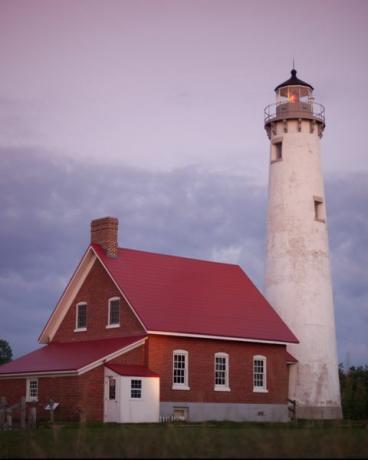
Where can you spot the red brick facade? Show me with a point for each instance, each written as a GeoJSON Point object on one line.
{"type": "Point", "coordinates": [201, 370]}
{"type": "Point", "coordinates": [96, 290]}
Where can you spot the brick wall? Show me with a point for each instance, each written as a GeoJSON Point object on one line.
{"type": "Point", "coordinates": [96, 290]}
{"type": "Point", "coordinates": [201, 370]}
{"type": "Point", "coordinates": [74, 393]}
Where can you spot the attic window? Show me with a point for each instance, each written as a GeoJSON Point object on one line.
{"type": "Point", "coordinates": [114, 312]}
{"type": "Point", "coordinates": [81, 317]}
{"type": "Point", "coordinates": [319, 209]}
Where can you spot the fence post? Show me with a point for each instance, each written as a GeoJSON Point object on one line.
{"type": "Point", "coordinates": [9, 419]}
{"type": "Point", "coordinates": [32, 417]}
{"type": "Point", "coordinates": [3, 405]}
{"type": "Point", "coordinates": [23, 412]}
{"type": "Point", "coordinates": [51, 404]}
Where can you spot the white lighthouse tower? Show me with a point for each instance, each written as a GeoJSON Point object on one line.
{"type": "Point", "coordinates": [297, 276]}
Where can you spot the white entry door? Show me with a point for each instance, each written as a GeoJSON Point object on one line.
{"type": "Point", "coordinates": [112, 399]}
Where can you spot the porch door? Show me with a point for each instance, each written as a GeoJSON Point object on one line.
{"type": "Point", "coordinates": [112, 399]}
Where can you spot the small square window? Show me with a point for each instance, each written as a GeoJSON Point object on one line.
{"type": "Point", "coordinates": [136, 389]}
{"type": "Point", "coordinates": [180, 414]}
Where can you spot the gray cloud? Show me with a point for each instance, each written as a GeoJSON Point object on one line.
{"type": "Point", "coordinates": [47, 205]}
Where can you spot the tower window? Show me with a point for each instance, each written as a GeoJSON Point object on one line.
{"type": "Point", "coordinates": [319, 209]}
{"type": "Point", "coordinates": [276, 151]}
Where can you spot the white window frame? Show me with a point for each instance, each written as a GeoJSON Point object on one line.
{"type": "Point", "coordinates": [175, 385]}
{"type": "Point", "coordinates": [80, 329]}
{"type": "Point", "coordinates": [109, 325]}
{"type": "Point", "coordinates": [225, 386]}
{"type": "Point", "coordinates": [140, 390]}
{"type": "Point", "coordinates": [29, 396]}
{"type": "Point", "coordinates": [260, 388]}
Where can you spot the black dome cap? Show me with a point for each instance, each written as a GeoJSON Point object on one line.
{"type": "Point", "coordinates": [294, 80]}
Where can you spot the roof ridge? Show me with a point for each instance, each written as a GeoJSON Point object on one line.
{"type": "Point", "coordinates": [179, 257]}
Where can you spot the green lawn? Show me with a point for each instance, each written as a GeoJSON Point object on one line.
{"type": "Point", "coordinates": [185, 440]}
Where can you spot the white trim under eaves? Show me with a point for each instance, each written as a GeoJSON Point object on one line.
{"type": "Point", "coordinates": [71, 290]}
{"type": "Point", "coordinates": [217, 337]}
{"type": "Point", "coordinates": [22, 375]}
{"type": "Point", "coordinates": [120, 290]}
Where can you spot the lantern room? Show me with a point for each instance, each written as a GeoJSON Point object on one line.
{"type": "Point", "coordinates": [294, 91]}
{"type": "Point", "coordinates": [294, 100]}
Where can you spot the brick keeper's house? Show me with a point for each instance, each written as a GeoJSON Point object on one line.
{"type": "Point", "coordinates": [138, 335]}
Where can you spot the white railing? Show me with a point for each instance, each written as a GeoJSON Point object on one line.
{"type": "Point", "coordinates": [288, 109]}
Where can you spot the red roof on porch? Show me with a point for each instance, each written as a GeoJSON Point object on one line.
{"type": "Point", "coordinates": [290, 358]}
{"type": "Point", "coordinates": [131, 370]}
{"type": "Point", "coordinates": [181, 295]}
{"type": "Point", "coordinates": [67, 356]}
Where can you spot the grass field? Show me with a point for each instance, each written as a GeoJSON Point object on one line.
{"type": "Point", "coordinates": [189, 440]}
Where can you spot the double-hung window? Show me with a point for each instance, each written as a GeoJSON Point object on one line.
{"type": "Point", "coordinates": [259, 374]}
{"type": "Point", "coordinates": [221, 372]}
{"type": "Point", "coordinates": [136, 389]}
{"type": "Point", "coordinates": [81, 317]}
{"type": "Point", "coordinates": [32, 390]}
{"type": "Point", "coordinates": [113, 312]}
{"type": "Point", "coordinates": [180, 370]}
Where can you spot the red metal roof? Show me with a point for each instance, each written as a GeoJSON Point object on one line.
{"type": "Point", "coordinates": [182, 295]}
{"type": "Point", "coordinates": [67, 356]}
{"type": "Point", "coordinates": [131, 370]}
{"type": "Point", "coordinates": [290, 358]}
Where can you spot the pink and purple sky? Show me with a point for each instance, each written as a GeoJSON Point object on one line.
{"type": "Point", "coordinates": [152, 111]}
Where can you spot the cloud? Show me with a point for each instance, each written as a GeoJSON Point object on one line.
{"type": "Point", "coordinates": [47, 205]}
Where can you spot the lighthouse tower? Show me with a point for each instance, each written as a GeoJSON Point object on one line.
{"type": "Point", "coordinates": [297, 274]}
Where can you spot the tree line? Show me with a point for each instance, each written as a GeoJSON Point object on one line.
{"type": "Point", "coordinates": [354, 391]}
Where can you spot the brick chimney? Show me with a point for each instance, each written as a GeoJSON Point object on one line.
{"type": "Point", "coordinates": [104, 231]}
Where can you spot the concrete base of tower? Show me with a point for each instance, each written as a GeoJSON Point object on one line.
{"type": "Point", "coordinates": [318, 412]}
